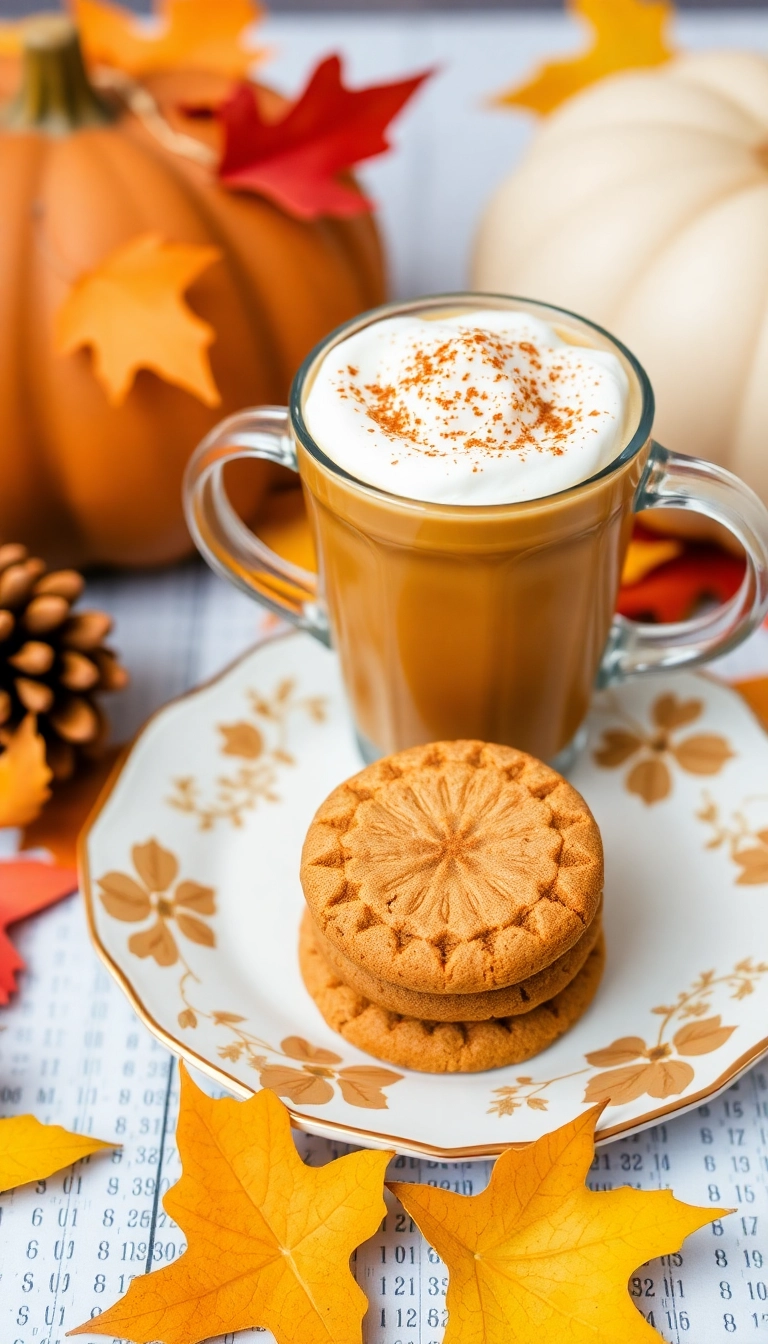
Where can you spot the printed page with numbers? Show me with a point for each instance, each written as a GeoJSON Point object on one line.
{"type": "Point", "coordinates": [72, 1052]}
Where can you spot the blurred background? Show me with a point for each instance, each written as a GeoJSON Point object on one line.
{"type": "Point", "coordinates": [452, 146]}
{"type": "Point", "coordinates": [679, 219]}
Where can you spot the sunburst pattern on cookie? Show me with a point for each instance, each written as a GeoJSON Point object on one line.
{"type": "Point", "coordinates": [449, 851]}
{"type": "Point", "coordinates": [456, 867]}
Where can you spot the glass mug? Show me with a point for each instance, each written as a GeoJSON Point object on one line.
{"type": "Point", "coordinates": [475, 621]}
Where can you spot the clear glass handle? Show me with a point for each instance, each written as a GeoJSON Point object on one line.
{"type": "Point", "coordinates": [223, 539]}
{"type": "Point", "coordinates": [673, 481]}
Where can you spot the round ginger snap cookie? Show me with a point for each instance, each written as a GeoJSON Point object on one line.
{"type": "Point", "coordinates": [453, 868]}
{"type": "Point", "coordinates": [509, 1002]}
{"type": "Point", "coordinates": [444, 1047]}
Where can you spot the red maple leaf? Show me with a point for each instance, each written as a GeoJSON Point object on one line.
{"type": "Point", "coordinates": [26, 886]}
{"type": "Point", "coordinates": [675, 590]}
{"type": "Point", "coordinates": [296, 161]}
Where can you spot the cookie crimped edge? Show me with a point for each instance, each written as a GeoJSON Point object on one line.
{"type": "Point", "coordinates": [511, 1001]}
{"type": "Point", "coordinates": [494, 959]}
{"type": "Point", "coordinates": [446, 1047]}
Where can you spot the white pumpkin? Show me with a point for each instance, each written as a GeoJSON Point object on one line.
{"type": "Point", "coordinates": [643, 205]}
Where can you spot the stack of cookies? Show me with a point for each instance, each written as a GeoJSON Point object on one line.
{"type": "Point", "coordinates": [454, 899]}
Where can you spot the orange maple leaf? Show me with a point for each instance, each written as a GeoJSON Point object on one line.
{"type": "Point", "coordinates": [537, 1255]}
{"type": "Point", "coordinates": [24, 775]}
{"type": "Point", "coordinates": [131, 312]}
{"type": "Point", "coordinates": [269, 1239]}
{"type": "Point", "coordinates": [755, 691]}
{"type": "Point", "coordinates": [626, 34]}
{"type": "Point", "coordinates": [196, 34]}
{"type": "Point", "coordinates": [68, 809]}
{"type": "Point", "coordinates": [30, 1151]}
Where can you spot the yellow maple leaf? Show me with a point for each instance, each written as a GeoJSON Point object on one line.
{"type": "Point", "coordinates": [539, 1256]}
{"type": "Point", "coordinates": [269, 1239]}
{"type": "Point", "coordinates": [626, 34]}
{"type": "Point", "coordinates": [644, 556]}
{"type": "Point", "coordinates": [30, 1151]}
{"type": "Point", "coordinates": [196, 34]}
{"type": "Point", "coordinates": [131, 312]}
{"type": "Point", "coordinates": [10, 37]}
{"type": "Point", "coordinates": [24, 775]}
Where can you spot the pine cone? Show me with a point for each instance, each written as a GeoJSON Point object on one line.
{"type": "Point", "coordinates": [52, 661]}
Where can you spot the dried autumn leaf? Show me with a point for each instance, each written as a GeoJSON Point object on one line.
{"type": "Point", "coordinates": [192, 34]}
{"type": "Point", "coordinates": [296, 161]}
{"type": "Point", "coordinates": [269, 1239]}
{"type": "Point", "coordinates": [704, 754]}
{"type": "Point", "coordinates": [660, 1078]}
{"type": "Point", "coordinates": [30, 1151]}
{"type": "Point", "coordinates": [361, 1084]}
{"type": "Point", "coordinates": [616, 747]}
{"type": "Point", "coordinates": [644, 555]}
{"type": "Point", "coordinates": [26, 886]}
{"type": "Point", "coordinates": [241, 739]}
{"type": "Point", "coordinates": [755, 691]}
{"type": "Point", "coordinates": [24, 775]}
{"type": "Point", "coordinates": [297, 1048]}
{"type": "Point", "coordinates": [754, 866]}
{"type": "Point", "coordinates": [700, 1038]}
{"type": "Point", "coordinates": [675, 590]}
{"type": "Point", "coordinates": [625, 34]}
{"type": "Point", "coordinates": [538, 1256]}
{"type": "Point", "coordinates": [622, 1051]}
{"type": "Point", "coordinates": [64, 815]}
{"type": "Point", "coordinates": [669, 712]}
{"type": "Point", "coordinates": [297, 1085]}
{"type": "Point", "coordinates": [130, 310]}
{"type": "Point", "coordinates": [650, 779]}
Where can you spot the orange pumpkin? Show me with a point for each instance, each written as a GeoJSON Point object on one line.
{"type": "Point", "coordinates": [82, 481]}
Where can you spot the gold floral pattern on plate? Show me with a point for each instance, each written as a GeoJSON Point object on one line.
{"type": "Point", "coordinates": [242, 1015]}
{"type": "Point", "coordinates": [261, 741]}
{"type": "Point", "coordinates": [151, 898]}
{"type": "Point", "coordinates": [629, 1068]}
{"type": "Point", "coordinates": [157, 897]}
{"type": "Point", "coordinates": [655, 750]}
{"type": "Point", "coordinates": [746, 843]}
{"type": "Point", "coordinates": [359, 1084]}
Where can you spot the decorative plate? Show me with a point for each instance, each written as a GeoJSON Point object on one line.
{"type": "Point", "coordinates": [190, 873]}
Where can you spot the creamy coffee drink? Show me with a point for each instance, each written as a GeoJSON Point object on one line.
{"type": "Point", "coordinates": [470, 586]}
{"type": "Point", "coordinates": [482, 407]}
{"type": "Point", "coordinates": [471, 465]}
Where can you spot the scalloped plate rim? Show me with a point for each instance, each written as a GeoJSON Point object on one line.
{"type": "Point", "coordinates": [315, 1124]}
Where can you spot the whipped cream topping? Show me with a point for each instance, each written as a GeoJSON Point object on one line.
{"type": "Point", "coordinates": [487, 407]}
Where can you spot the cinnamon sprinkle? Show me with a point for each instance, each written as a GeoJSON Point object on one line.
{"type": "Point", "coordinates": [536, 416]}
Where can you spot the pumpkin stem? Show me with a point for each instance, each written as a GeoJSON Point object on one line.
{"type": "Point", "coordinates": [56, 96]}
